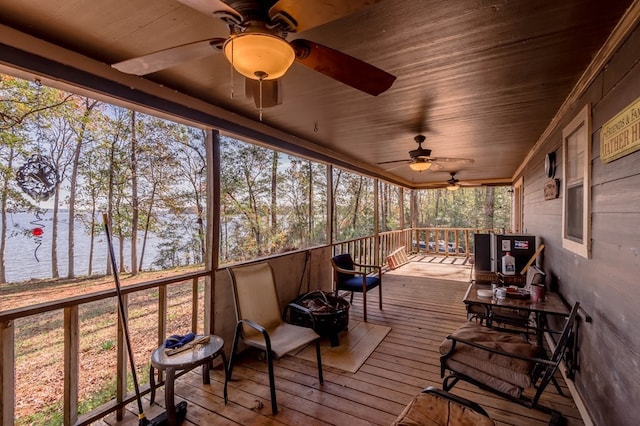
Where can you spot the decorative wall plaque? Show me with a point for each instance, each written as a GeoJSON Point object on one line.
{"type": "Point", "coordinates": [552, 189]}
{"type": "Point", "coordinates": [620, 136]}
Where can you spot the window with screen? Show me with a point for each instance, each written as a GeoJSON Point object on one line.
{"type": "Point", "coordinates": [576, 143]}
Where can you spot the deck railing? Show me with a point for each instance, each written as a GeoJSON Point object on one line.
{"type": "Point", "coordinates": [367, 250]}
{"type": "Point", "coordinates": [71, 344]}
{"type": "Point", "coordinates": [446, 241]}
{"type": "Point", "coordinates": [441, 241]}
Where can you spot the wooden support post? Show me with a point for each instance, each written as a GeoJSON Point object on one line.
{"type": "Point", "coordinates": [376, 222]}
{"type": "Point", "coordinates": [212, 259]}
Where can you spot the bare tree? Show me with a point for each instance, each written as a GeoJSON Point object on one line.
{"type": "Point", "coordinates": [80, 132]}
{"type": "Point", "coordinates": [134, 196]}
{"type": "Point", "coordinates": [57, 140]}
{"type": "Point", "coordinates": [489, 205]}
{"type": "Point", "coordinates": [274, 190]}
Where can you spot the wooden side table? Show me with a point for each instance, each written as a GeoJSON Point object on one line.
{"type": "Point", "coordinates": [202, 354]}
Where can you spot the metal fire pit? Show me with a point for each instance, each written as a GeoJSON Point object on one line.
{"type": "Point", "coordinates": [330, 314]}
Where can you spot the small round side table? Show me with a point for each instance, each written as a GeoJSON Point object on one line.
{"type": "Point", "coordinates": [201, 354]}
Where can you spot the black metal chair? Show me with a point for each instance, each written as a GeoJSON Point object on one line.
{"type": "Point", "coordinates": [260, 321]}
{"type": "Point", "coordinates": [356, 278]}
{"type": "Point", "coordinates": [502, 362]}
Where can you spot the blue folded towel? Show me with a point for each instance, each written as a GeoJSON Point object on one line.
{"type": "Point", "coordinates": [176, 341]}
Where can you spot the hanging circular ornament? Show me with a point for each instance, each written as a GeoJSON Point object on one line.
{"type": "Point", "coordinates": [38, 177]}
{"type": "Point", "coordinates": [37, 232]}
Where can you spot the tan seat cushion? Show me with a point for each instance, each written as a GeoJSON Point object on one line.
{"type": "Point", "coordinates": [285, 338]}
{"type": "Point", "coordinates": [508, 375]}
{"type": "Point", "coordinates": [428, 409]}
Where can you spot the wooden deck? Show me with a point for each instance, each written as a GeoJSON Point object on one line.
{"type": "Point", "coordinates": [422, 304]}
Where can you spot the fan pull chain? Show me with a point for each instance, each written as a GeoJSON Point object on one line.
{"type": "Point", "coordinates": [231, 68]}
{"type": "Point", "coordinates": [260, 100]}
{"type": "Point", "coordinates": [261, 76]}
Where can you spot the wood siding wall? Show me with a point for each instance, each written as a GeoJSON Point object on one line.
{"type": "Point", "coordinates": [607, 285]}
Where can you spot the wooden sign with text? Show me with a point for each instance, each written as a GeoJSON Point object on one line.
{"type": "Point", "coordinates": [552, 189]}
{"type": "Point", "coordinates": [620, 136]}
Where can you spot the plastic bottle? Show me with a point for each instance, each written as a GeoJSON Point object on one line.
{"type": "Point", "coordinates": [508, 264]}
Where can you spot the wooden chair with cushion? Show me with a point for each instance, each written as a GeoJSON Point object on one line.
{"type": "Point", "coordinates": [260, 320]}
{"type": "Point", "coordinates": [502, 362]}
{"type": "Point", "coordinates": [435, 407]}
{"type": "Point", "coordinates": [356, 278]}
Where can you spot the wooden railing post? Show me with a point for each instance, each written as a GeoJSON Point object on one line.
{"type": "Point", "coordinates": [162, 323]}
{"type": "Point", "coordinates": [71, 364]}
{"type": "Point", "coordinates": [162, 313]}
{"type": "Point", "coordinates": [7, 379]}
{"type": "Point", "coordinates": [194, 305]}
{"type": "Point", "coordinates": [121, 370]}
{"type": "Point", "coordinates": [466, 242]}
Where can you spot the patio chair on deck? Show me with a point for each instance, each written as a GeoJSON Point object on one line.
{"type": "Point", "coordinates": [502, 362]}
{"type": "Point", "coordinates": [354, 277]}
{"type": "Point", "coordinates": [260, 320]}
{"type": "Point", "coordinates": [435, 407]}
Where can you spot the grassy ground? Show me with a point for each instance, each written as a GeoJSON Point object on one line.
{"type": "Point", "coordinates": [39, 340]}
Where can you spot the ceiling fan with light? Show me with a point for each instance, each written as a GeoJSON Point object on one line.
{"type": "Point", "coordinates": [258, 49]}
{"type": "Point", "coordinates": [420, 159]}
{"type": "Point", "coordinates": [452, 184]}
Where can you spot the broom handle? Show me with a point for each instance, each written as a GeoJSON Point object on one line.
{"type": "Point", "coordinates": [535, 255]}
{"type": "Point", "coordinates": [125, 328]}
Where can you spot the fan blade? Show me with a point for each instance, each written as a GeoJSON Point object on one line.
{"type": "Point", "coordinates": [395, 161]}
{"type": "Point", "coordinates": [342, 67]}
{"type": "Point", "coordinates": [168, 58]}
{"type": "Point", "coordinates": [208, 7]}
{"type": "Point", "coordinates": [395, 167]}
{"type": "Point", "coordinates": [271, 93]}
{"type": "Point", "coordinates": [312, 13]}
{"type": "Point", "coordinates": [461, 161]}
{"type": "Point", "coordinates": [444, 163]}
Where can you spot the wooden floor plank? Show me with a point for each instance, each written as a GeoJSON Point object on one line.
{"type": "Point", "coordinates": [422, 303]}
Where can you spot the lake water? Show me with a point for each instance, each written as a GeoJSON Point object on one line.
{"type": "Point", "coordinates": [28, 257]}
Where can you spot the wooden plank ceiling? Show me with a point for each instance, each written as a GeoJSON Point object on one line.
{"type": "Point", "coordinates": [480, 79]}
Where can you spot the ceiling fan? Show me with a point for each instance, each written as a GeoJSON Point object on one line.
{"type": "Point", "coordinates": [257, 45]}
{"type": "Point", "coordinates": [454, 184]}
{"type": "Point", "coordinates": [420, 159]}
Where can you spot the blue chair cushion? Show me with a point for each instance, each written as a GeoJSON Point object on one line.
{"type": "Point", "coordinates": [355, 283]}
{"type": "Point", "coordinates": [343, 261]}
